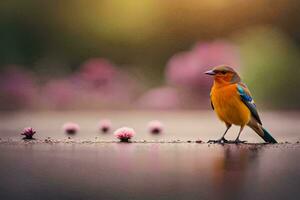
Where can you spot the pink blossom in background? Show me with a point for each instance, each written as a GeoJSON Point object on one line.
{"type": "Point", "coordinates": [71, 128]}
{"type": "Point", "coordinates": [97, 84]}
{"type": "Point", "coordinates": [105, 125]}
{"type": "Point", "coordinates": [124, 134]}
{"type": "Point", "coordinates": [17, 89]}
{"type": "Point", "coordinates": [101, 83]}
{"type": "Point", "coordinates": [28, 133]}
{"type": "Point", "coordinates": [186, 69]}
{"type": "Point", "coordinates": [59, 94]}
{"type": "Point", "coordinates": [155, 127]}
{"type": "Point", "coordinates": [160, 98]}
{"type": "Point", "coordinates": [98, 71]}
{"type": "Point", "coordinates": [96, 76]}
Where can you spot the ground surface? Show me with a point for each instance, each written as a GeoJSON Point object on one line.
{"type": "Point", "coordinates": [94, 166]}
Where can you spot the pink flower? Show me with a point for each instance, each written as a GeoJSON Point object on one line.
{"type": "Point", "coordinates": [105, 125]}
{"type": "Point", "coordinates": [155, 127]}
{"type": "Point", "coordinates": [28, 133]}
{"type": "Point", "coordinates": [71, 128]}
{"type": "Point", "coordinates": [124, 134]}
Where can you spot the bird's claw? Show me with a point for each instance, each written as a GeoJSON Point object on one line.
{"type": "Point", "coordinates": [220, 141]}
{"type": "Point", "coordinates": [237, 141]}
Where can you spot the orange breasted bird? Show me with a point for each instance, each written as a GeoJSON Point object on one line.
{"type": "Point", "coordinates": [233, 104]}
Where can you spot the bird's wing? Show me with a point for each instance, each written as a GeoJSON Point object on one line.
{"type": "Point", "coordinates": [211, 103]}
{"type": "Point", "coordinates": [245, 95]}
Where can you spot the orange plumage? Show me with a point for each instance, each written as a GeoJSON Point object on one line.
{"type": "Point", "coordinates": [228, 105]}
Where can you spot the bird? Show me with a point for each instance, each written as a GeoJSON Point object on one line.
{"type": "Point", "coordinates": [234, 105]}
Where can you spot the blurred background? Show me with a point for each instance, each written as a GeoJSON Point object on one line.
{"type": "Point", "coordinates": [134, 61]}
{"type": "Point", "coordinates": [150, 54]}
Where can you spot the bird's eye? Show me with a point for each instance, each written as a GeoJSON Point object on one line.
{"type": "Point", "coordinates": [223, 72]}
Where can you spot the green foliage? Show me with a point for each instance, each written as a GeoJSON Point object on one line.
{"type": "Point", "coordinates": [271, 67]}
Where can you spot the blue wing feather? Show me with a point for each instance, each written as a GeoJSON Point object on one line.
{"type": "Point", "coordinates": [244, 95]}
{"type": "Point", "coordinates": [248, 101]}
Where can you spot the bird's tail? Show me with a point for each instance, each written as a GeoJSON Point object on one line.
{"type": "Point", "coordinates": [267, 137]}
{"type": "Point", "coordinates": [263, 133]}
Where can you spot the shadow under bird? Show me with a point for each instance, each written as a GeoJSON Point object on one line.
{"type": "Point", "coordinates": [233, 104]}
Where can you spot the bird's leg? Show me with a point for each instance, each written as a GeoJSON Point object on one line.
{"type": "Point", "coordinates": [237, 140]}
{"type": "Point", "coordinates": [222, 139]}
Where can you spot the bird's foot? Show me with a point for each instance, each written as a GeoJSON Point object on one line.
{"type": "Point", "coordinates": [220, 141]}
{"type": "Point", "coordinates": [237, 141]}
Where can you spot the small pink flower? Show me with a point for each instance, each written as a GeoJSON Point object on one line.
{"type": "Point", "coordinates": [155, 127]}
{"type": "Point", "coordinates": [28, 133]}
{"type": "Point", "coordinates": [124, 134]}
{"type": "Point", "coordinates": [105, 125]}
{"type": "Point", "coordinates": [71, 128]}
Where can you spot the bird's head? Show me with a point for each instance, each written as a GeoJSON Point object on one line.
{"type": "Point", "coordinates": [224, 74]}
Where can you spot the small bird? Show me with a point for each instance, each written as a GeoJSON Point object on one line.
{"type": "Point", "coordinates": [232, 101]}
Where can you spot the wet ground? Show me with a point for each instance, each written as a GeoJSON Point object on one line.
{"type": "Point", "coordinates": [91, 165]}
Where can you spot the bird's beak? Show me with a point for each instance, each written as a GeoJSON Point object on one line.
{"type": "Point", "coordinates": [210, 72]}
